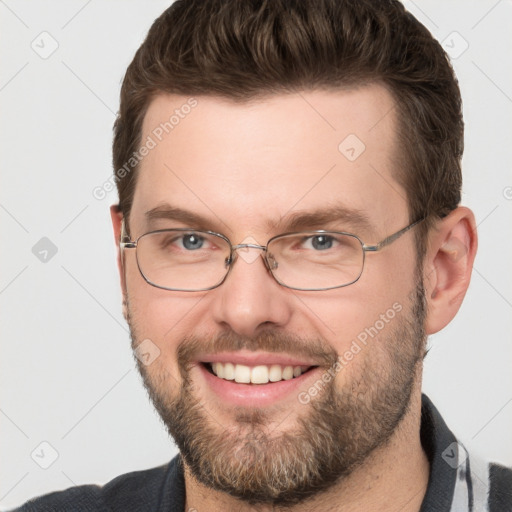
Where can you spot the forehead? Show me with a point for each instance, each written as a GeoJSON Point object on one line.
{"type": "Point", "coordinates": [249, 164]}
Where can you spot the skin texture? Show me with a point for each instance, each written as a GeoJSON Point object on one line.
{"type": "Point", "coordinates": [246, 168]}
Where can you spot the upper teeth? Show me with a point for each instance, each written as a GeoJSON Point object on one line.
{"type": "Point", "coordinates": [256, 374]}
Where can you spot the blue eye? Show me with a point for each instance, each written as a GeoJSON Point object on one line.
{"type": "Point", "coordinates": [192, 241]}
{"type": "Point", "coordinates": [319, 242]}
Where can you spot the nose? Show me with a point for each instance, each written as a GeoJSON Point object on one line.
{"type": "Point", "coordinates": [250, 299]}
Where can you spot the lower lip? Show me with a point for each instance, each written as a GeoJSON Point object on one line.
{"type": "Point", "coordinates": [257, 395]}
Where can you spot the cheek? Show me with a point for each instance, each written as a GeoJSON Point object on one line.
{"type": "Point", "coordinates": [365, 338]}
{"type": "Point", "coordinates": [342, 316]}
{"type": "Point", "coordinates": [153, 311]}
{"type": "Point", "coordinates": [359, 321]}
{"type": "Point", "coordinates": [164, 319]}
{"type": "Point", "coordinates": [161, 316]}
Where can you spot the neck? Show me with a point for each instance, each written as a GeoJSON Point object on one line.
{"type": "Point", "coordinates": [394, 477]}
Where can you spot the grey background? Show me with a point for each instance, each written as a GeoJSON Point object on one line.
{"type": "Point", "coordinates": [67, 374]}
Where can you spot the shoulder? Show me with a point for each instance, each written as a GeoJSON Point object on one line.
{"type": "Point", "coordinates": [500, 488]}
{"type": "Point", "coordinates": [482, 485]}
{"type": "Point", "coordinates": [138, 490]}
{"type": "Point", "coordinates": [460, 479]}
{"type": "Point", "coordinates": [135, 491]}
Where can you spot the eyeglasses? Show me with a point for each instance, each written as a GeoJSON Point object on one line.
{"type": "Point", "coordinates": [191, 260]}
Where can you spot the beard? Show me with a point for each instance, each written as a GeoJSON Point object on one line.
{"type": "Point", "coordinates": [334, 434]}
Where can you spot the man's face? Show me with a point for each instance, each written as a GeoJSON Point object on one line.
{"type": "Point", "coordinates": [297, 162]}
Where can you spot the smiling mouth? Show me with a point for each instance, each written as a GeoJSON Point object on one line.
{"type": "Point", "coordinates": [259, 374]}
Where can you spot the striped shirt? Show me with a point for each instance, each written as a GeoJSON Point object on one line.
{"type": "Point", "coordinates": [458, 482]}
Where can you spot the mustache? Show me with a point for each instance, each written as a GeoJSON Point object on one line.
{"type": "Point", "coordinates": [317, 349]}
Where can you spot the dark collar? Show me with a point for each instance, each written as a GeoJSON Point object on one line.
{"type": "Point", "coordinates": [437, 438]}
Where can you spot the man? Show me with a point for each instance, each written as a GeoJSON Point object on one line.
{"type": "Point", "coordinates": [289, 234]}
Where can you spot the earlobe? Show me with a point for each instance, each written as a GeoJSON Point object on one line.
{"type": "Point", "coordinates": [449, 263]}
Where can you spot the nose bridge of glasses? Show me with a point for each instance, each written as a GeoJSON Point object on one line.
{"type": "Point", "coordinates": [252, 246]}
{"type": "Point", "coordinates": [249, 258]}
{"type": "Point", "coordinates": [267, 257]}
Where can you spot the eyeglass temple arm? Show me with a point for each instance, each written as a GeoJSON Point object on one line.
{"type": "Point", "coordinates": [391, 238]}
{"type": "Point", "coordinates": [125, 242]}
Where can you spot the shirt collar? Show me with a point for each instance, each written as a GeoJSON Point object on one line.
{"type": "Point", "coordinates": [441, 448]}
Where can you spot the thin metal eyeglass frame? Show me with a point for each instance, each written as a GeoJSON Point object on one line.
{"type": "Point", "coordinates": [132, 244]}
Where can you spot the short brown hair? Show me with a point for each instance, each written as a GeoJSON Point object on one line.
{"type": "Point", "coordinates": [243, 49]}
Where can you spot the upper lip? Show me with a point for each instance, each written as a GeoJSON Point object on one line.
{"type": "Point", "coordinates": [255, 359]}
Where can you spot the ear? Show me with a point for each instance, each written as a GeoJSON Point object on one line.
{"type": "Point", "coordinates": [117, 219]}
{"type": "Point", "coordinates": [448, 265]}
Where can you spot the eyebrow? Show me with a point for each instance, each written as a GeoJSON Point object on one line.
{"type": "Point", "coordinates": [342, 216]}
{"type": "Point", "coordinates": [168, 212]}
